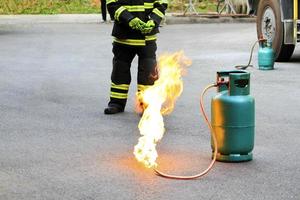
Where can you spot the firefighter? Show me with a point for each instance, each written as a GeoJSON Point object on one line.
{"type": "Point", "coordinates": [134, 33]}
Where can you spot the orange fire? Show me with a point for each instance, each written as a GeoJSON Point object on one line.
{"type": "Point", "coordinates": [159, 100]}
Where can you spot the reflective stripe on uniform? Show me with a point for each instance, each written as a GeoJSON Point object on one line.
{"type": "Point", "coordinates": [161, 2]}
{"type": "Point", "coordinates": [110, 1]}
{"type": "Point", "coordinates": [143, 87]}
{"type": "Point", "coordinates": [131, 42]}
{"type": "Point", "coordinates": [150, 37]}
{"type": "Point", "coordinates": [139, 8]}
{"type": "Point", "coordinates": [118, 95]}
{"type": "Point", "coordinates": [118, 12]}
{"type": "Point", "coordinates": [119, 91]}
{"type": "Point", "coordinates": [120, 86]}
{"type": "Point", "coordinates": [165, 1]}
{"type": "Point", "coordinates": [148, 5]}
{"type": "Point", "coordinates": [157, 12]}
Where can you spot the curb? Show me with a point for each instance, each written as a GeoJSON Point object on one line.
{"type": "Point", "coordinates": [208, 20]}
{"type": "Point", "coordinates": [96, 18]}
{"type": "Point", "coordinates": [50, 19]}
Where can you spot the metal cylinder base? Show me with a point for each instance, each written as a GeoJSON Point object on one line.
{"type": "Point", "coordinates": [234, 157]}
{"type": "Point", "coordinates": [266, 68]}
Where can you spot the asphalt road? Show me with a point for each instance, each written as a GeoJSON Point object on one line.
{"type": "Point", "coordinates": [56, 143]}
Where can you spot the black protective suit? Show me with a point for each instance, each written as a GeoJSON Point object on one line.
{"type": "Point", "coordinates": [127, 43]}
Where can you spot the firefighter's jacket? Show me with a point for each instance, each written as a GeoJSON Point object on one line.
{"type": "Point", "coordinates": [122, 11]}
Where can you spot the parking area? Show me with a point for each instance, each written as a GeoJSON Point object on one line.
{"type": "Point", "coordinates": [56, 143]}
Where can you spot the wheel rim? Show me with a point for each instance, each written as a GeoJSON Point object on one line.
{"type": "Point", "coordinates": [268, 24]}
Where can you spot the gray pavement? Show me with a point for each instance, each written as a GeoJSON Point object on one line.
{"type": "Point", "coordinates": [56, 143]}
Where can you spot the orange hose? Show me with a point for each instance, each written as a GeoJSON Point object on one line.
{"type": "Point", "coordinates": [159, 173]}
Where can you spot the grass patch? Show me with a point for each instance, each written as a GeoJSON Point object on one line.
{"type": "Point", "coordinates": [85, 6]}
{"type": "Point", "coordinates": [49, 6]}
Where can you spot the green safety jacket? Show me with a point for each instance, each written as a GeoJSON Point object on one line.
{"type": "Point", "coordinates": [122, 11]}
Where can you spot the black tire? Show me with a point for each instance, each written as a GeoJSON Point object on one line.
{"type": "Point", "coordinates": [283, 52]}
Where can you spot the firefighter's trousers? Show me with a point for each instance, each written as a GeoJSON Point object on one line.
{"type": "Point", "coordinates": [121, 76]}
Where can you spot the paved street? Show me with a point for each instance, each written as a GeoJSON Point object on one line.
{"type": "Point", "coordinates": [56, 143]}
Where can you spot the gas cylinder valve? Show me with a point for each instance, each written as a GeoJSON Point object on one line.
{"type": "Point", "coordinates": [222, 81]}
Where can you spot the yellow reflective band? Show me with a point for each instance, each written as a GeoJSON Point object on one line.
{"type": "Point", "coordinates": [143, 87]}
{"type": "Point", "coordinates": [165, 1]}
{"type": "Point", "coordinates": [157, 12]}
{"type": "Point", "coordinates": [118, 95]}
{"type": "Point", "coordinates": [295, 19]}
{"type": "Point", "coordinates": [161, 2]}
{"type": "Point", "coordinates": [150, 37]}
{"type": "Point", "coordinates": [135, 8]}
{"type": "Point", "coordinates": [120, 86]}
{"type": "Point", "coordinates": [110, 1]}
{"type": "Point", "coordinates": [130, 42]}
{"type": "Point", "coordinates": [148, 5]}
{"type": "Point", "coordinates": [295, 9]}
{"type": "Point", "coordinates": [118, 12]}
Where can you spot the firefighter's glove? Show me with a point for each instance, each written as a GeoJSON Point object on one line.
{"type": "Point", "coordinates": [148, 27]}
{"type": "Point", "coordinates": [137, 24]}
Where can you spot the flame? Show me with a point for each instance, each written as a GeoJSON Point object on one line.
{"type": "Point", "coordinates": [159, 100]}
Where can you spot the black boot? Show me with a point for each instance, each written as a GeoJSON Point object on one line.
{"type": "Point", "coordinates": [113, 109]}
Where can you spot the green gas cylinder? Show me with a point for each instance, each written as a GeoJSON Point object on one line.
{"type": "Point", "coordinates": [232, 116]}
{"type": "Point", "coordinates": [266, 55]}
